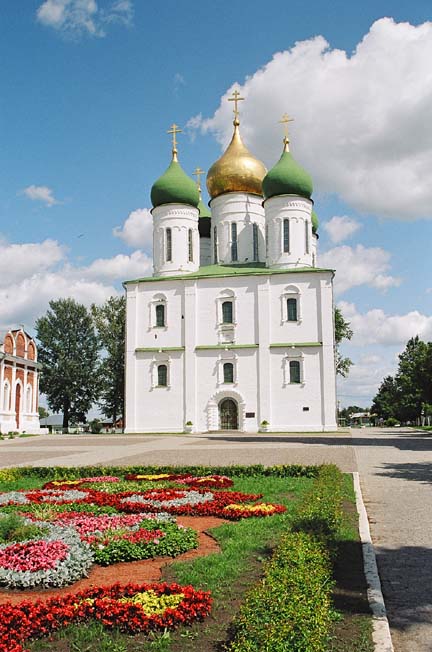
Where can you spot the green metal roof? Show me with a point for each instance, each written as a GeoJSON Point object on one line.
{"type": "Point", "coordinates": [174, 187]}
{"type": "Point", "coordinates": [287, 177]}
{"type": "Point", "coordinates": [242, 269]}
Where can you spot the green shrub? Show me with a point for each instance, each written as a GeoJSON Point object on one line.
{"type": "Point", "coordinates": [320, 510]}
{"type": "Point", "coordinates": [14, 528]}
{"type": "Point", "coordinates": [391, 421]}
{"type": "Point", "coordinates": [95, 426]}
{"type": "Point", "coordinates": [290, 609]}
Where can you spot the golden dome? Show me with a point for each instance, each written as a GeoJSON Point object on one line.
{"type": "Point", "coordinates": [236, 170]}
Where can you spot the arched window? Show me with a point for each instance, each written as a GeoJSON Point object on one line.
{"type": "Point", "coordinates": [228, 372]}
{"type": "Point", "coordinates": [29, 399]}
{"type": "Point", "coordinates": [215, 246]}
{"type": "Point", "coordinates": [234, 252]}
{"type": "Point", "coordinates": [294, 371]}
{"type": "Point", "coordinates": [292, 309]}
{"type": "Point", "coordinates": [160, 315]}
{"type": "Point", "coordinates": [267, 240]}
{"type": "Point", "coordinates": [190, 244]}
{"type": "Point", "coordinates": [307, 237]}
{"type": "Point", "coordinates": [6, 396]}
{"type": "Point", "coordinates": [286, 236]}
{"type": "Point", "coordinates": [162, 372]}
{"type": "Point", "coordinates": [255, 241]}
{"type": "Point", "coordinates": [227, 312]}
{"type": "Point", "coordinates": [168, 245]}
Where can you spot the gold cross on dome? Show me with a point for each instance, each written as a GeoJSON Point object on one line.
{"type": "Point", "coordinates": [197, 173]}
{"type": "Point", "coordinates": [285, 120]}
{"type": "Point", "coordinates": [236, 99]}
{"type": "Point", "coordinates": [174, 130]}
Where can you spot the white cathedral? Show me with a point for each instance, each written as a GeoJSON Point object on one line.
{"type": "Point", "coordinates": [234, 330]}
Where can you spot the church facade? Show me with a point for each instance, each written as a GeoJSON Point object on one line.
{"type": "Point", "coordinates": [234, 330]}
{"type": "Point", "coordinates": [19, 384]}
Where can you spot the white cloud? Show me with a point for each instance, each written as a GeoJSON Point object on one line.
{"type": "Point", "coordinates": [376, 327]}
{"type": "Point", "coordinates": [137, 265]}
{"type": "Point", "coordinates": [34, 273]}
{"type": "Point", "coordinates": [359, 266]}
{"type": "Point", "coordinates": [364, 378]}
{"type": "Point", "coordinates": [362, 120]}
{"type": "Point", "coordinates": [40, 193]}
{"type": "Point", "coordinates": [137, 231]}
{"type": "Point", "coordinates": [21, 261]}
{"type": "Point", "coordinates": [77, 17]}
{"type": "Point", "coordinates": [341, 228]}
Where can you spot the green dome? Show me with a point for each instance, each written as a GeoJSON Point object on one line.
{"type": "Point", "coordinates": [287, 177]}
{"type": "Point", "coordinates": [174, 187]}
{"type": "Point", "coordinates": [315, 222]}
{"type": "Point", "coordinates": [204, 210]}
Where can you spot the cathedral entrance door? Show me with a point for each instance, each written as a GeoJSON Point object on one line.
{"type": "Point", "coordinates": [228, 414]}
{"type": "Point", "coordinates": [17, 404]}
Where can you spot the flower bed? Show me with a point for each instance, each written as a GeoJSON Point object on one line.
{"type": "Point", "coordinates": [57, 559]}
{"type": "Point", "coordinates": [131, 608]}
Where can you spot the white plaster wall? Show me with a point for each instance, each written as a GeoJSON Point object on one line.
{"type": "Point", "coordinates": [179, 218]}
{"type": "Point", "coordinates": [245, 210]}
{"type": "Point", "coordinates": [192, 320]}
{"type": "Point", "coordinates": [298, 210]}
{"type": "Point", "coordinates": [212, 389]}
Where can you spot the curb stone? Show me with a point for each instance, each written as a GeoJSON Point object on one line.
{"type": "Point", "coordinates": [381, 630]}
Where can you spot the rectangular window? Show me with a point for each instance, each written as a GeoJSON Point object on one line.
{"type": "Point", "coordinates": [234, 253]}
{"type": "Point", "coordinates": [160, 315]}
{"type": "Point", "coordinates": [307, 237]}
{"type": "Point", "coordinates": [227, 312]}
{"type": "Point", "coordinates": [294, 370]}
{"type": "Point", "coordinates": [286, 236]}
{"type": "Point", "coordinates": [292, 309]}
{"type": "Point", "coordinates": [215, 246]}
{"type": "Point", "coordinates": [267, 242]}
{"type": "Point", "coordinates": [255, 241]}
{"type": "Point", "coordinates": [190, 240]}
{"type": "Point", "coordinates": [168, 245]}
{"type": "Point", "coordinates": [162, 371]}
{"type": "Point", "coordinates": [228, 372]}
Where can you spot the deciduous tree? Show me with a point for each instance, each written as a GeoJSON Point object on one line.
{"type": "Point", "coordinates": [110, 322]}
{"type": "Point", "coordinates": [342, 332]}
{"type": "Point", "coordinates": [68, 352]}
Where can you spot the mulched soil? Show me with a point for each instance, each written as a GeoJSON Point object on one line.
{"type": "Point", "coordinates": [147, 570]}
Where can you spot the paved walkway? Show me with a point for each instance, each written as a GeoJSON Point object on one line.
{"type": "Point", "coordinates": [395, 468]}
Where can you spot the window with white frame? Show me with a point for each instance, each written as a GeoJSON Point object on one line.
{"type": "Point", "coordinates": [29, 396]}
{"type": "Point", "coordinates": [227, 312]}
{"type": "Point", "coordinates": [286, 236]}
{"type": "Point", "coordinates": [190, 245]}
{"type": "Point", "coordinates": [160, 371]}
{"type": "Point", "coordinates": [168, 245]}
{"type": "Point", "coordinates": [293, 368]}
{"type": "Point", "coordinates": [158, 311]}
{"type": "Point", "coordinates": [234, 251]}
{"type": "Point", "coordinates": [291, 305]}
{"type": "Point", "coordinates": [6, 396]}
{"type": "Point", "coordinates": [160, 315]}
{"type": "Point", "coordinates": [215, 246]}
{"type": "Point", "coordinates": [255, 242]}
{"type": "Point", "coordinates": [228, 372]}
{"type": "Point", "coordinates": [306, 236]}
{"type": "Point", "coordinates": [162, 375]}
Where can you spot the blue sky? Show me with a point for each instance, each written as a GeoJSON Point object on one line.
{"type": "Point", "coordinates": [89, 88]}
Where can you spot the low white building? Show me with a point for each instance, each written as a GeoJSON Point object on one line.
{"type": "Point", "coordinates": [234, 331]}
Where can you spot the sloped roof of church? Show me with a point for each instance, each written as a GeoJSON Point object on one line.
{"type": "Point", "coordinates": [241, 269]}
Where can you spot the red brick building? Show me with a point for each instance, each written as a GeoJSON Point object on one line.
{"type": "Point", "coordinates": [19, 385]}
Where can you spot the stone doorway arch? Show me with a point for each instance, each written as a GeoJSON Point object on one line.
{"type": "Point", "coordinates": [213, 409]}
